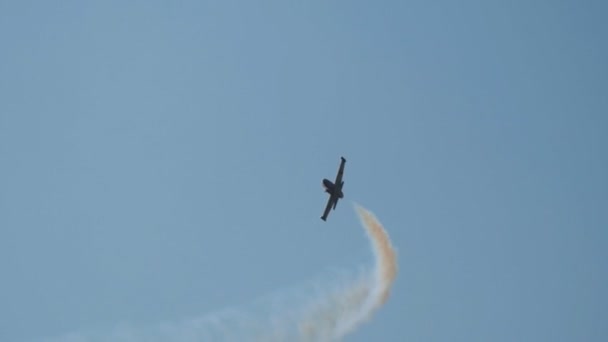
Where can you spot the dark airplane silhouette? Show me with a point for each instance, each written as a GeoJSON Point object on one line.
{"type": "Point", "coordinates": [334, 190]}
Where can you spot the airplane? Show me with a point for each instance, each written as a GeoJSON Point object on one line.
{"type": "Point", "coordinates": [334, 190]}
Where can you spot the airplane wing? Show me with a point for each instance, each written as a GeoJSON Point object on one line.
{"type": "Point", "coordinates": [327, 208]}
{"type": "Point", "coordinates": [340, 171]}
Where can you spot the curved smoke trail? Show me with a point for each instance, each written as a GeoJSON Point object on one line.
{"type": "Point", "coordinates": [327, 315]}
{"type": "Point", "coordinates": [344, 312]}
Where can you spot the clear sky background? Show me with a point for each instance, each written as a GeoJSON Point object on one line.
{"type": "Point", "coordinates": [161, 160]}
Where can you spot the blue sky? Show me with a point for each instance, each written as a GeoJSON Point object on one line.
{"type": "Point", "coordinates": [161, 160]}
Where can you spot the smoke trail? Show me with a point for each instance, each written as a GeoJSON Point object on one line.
{"type": "Point", "coordinates": [330, 313]}
{"type": "Point", "coordinates": [354, 305]}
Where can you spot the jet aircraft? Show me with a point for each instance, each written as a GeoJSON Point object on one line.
{"type": "Point", "coordinates": [334, 190]}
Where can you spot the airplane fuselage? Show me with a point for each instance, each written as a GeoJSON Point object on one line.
{"type": "Point", "coordinates": [333, 189]}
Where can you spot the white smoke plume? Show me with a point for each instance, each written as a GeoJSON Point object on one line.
{"type": "Point", "coordinates": [330, 313]}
